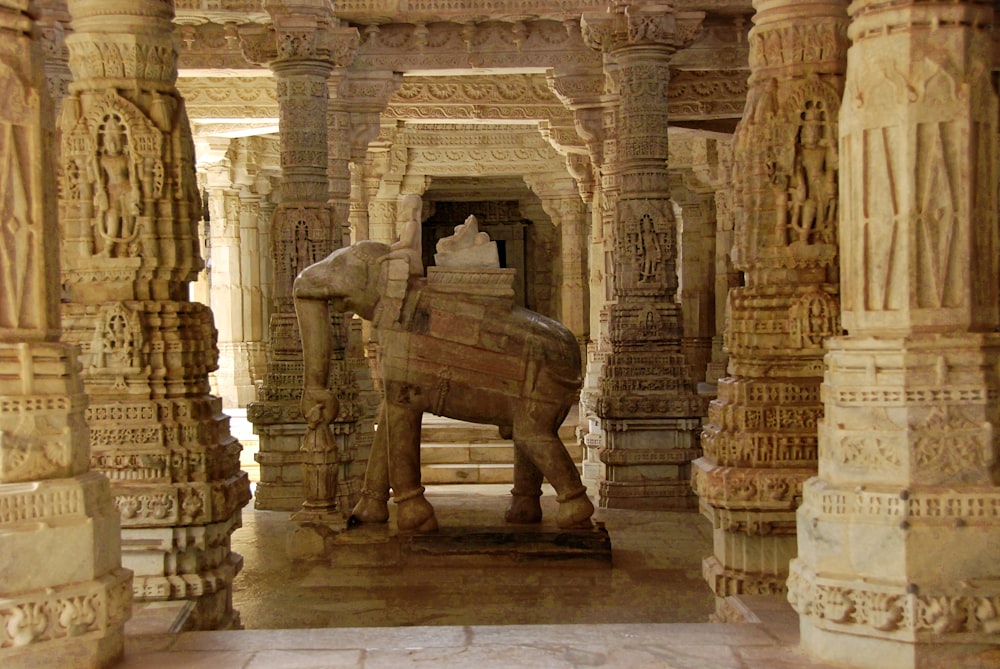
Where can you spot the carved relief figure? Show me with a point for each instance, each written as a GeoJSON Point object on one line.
{"type": "Point", "coordinates": [115, 342]}
{"type": "Point", "coordinates": [475, 359]}
{"type": "Point", "coordinates": [116, 197]}
{"type": "Point", "coordinates": [649, 250]}
{"type": "Point", "coordinates": [302, 250]}
{"type": "Point", "coordinates": [812, 187]}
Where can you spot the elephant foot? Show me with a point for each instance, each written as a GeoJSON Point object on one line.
{"type": "Point", "coordinates": [371, 508]}
{"type": "Point", "coordinates": [575, 510]}
{"type": "Point", "coordinates": [415, 513]}
{"type": "Point", "coordinates": [524, 509]}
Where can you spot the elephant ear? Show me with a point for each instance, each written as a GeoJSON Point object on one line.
{"type": "Point", "coordinates": [391, 283]}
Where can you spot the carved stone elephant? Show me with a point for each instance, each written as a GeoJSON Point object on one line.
{"type": "Point", "coordinates": [473, 358]}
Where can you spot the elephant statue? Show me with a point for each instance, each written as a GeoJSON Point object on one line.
{"type": "Point", "coordinates": [465, 356]}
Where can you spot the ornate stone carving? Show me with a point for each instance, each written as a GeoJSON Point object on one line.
{"type": "Point", "coordinates": [63, 591]}
{"type": "Point", "coordinates": [907, 457]}
{"type": "Point", "coordinates": [130, 205]}
{"type": "Point", "coordinates": [463, 338]}
{"type": "Point", "coordinates": [762, 426]}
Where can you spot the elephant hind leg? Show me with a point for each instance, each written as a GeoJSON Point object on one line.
{"type": "Point", "coordinates": [549, 456]}
{"type": "Point", "coordinates": [525, 507]}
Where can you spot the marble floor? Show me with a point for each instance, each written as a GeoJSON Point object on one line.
{"type": "Point", "coordinates": [649, 609]}
{"type": "Point", "coordinates": [655, 575]}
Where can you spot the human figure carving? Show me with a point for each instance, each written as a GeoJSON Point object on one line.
{"type": "Point", "coordinates": [117, 190]}
{"type": "Point", "coordinates": [649, 250]}
{"type": "Point", "coordinates": [522, 375]}
{"type": "Point", "coordinates": [812, 191]}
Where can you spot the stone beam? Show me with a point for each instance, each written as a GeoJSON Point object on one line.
{"type": "Point", "coordinates": [430, 11]}
{"type": "Point", "coordinates": [212, 43]}
{"type": "Point", "coordinates": [438, 150]}
{"type": "Point", "coordinates": [251, 101]}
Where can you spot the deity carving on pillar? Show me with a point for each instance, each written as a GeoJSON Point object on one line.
{"type": "Point", "coordinates": [112, 173]}
{"type": "Point", "coordinates": [116, 199]}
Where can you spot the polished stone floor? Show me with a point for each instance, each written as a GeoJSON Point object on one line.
{"type": "Point", "coordinates": [655, 575]}
{"type": "Point", "coordinates": [648, 610]}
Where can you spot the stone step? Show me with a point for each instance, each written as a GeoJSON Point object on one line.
{"type": "Point", "coordinates": [438, 429]}
{"type": "Point", "coordinates": [500, 452]}
{"type": "Point", "coordinates": [466, 473]}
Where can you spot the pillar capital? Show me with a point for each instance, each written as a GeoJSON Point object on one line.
{"type": "Point", "coordinates": [296, 37]}
{"type": "Point", "coordinates": [635, 24]}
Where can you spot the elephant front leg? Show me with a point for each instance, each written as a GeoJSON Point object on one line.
{"type": "Point", "coordinates": [373, 507]}
{"type": "Point", "coordinates": [415, 513]}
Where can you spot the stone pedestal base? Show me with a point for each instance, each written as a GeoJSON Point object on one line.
{"type": "Point", "coordinates": [194, 563]}
{"type": "Point", "coordinates": [648, 463]}
{"type": "Point", "coordinates": [280, 486]}
{"type": "Point", "coordinates": [63, 597]}
{"type": "Point", "coordinates": [891, 578]}
{"type": "Point", "coordinates": [751, 551]}
{"type": "Point", "coordinates": [241, 365]}
{"type": "Point", "coordinates": [508, 546]}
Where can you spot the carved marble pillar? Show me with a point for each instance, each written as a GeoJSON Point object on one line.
{"type": "Point", "coordinates": [352, 121]}
{"type": "Point", "coordinates": [760, 439]}
{"type": "Point", "coordinates": [648, 410]}
{"type": "Point", "coordinates": [898, 534]}
{"type": "Point", "coordinates": [225, 278]}
{"type": "Point", "coordinates": [696, 271]}
{"type": "Point", "coordinates": [585, 94]}
{"type": "Point", "coordinates": [64, 597]}
{"type": "Point", "coordinates": [129, 211]}
{"type": "Point", "coordinates": [560, 199]}
{"type": "Point", "coordinates": [388, 163]}
{"type": "Point", "coordinates": [727, 277]}
{"type": "Point", "coordinates": [236, 295]}
{"type": "Point", "coordinates": [301, 46]}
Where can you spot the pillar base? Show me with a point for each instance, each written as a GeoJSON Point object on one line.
{"type": "Point", "coordinates": [863, 652]}
{"type": "Point", "coordinates": [64, 599]}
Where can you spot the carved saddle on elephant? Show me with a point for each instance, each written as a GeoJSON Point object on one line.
{"type": "Point", "coordinates": [460, 326]}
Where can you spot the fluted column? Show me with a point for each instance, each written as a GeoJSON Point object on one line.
{"type": "Point", "coordinates": [584, 92]}
{"type": "Point", "coordinates": [647, 407]}
{"type": "Point", "coordinates": [898, 533]}
{"type": "Point", "coordinates": [561, 201]}
{"type": "Point", "coordinates": [129, 213]}
{"type": "Point", "coordinates": [306, 43]}
{"type": "Point", "coordinates": [696, 274]}
{"type": "Point", "coordinates": [388, 164]}
{"type": "Point", "coordinates": [63, 592]}
{"type": "Point", "coordinates": [760, 438]}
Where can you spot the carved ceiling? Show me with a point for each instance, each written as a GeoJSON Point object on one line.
{"type": "Point", "coordinates": [465, 63]}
